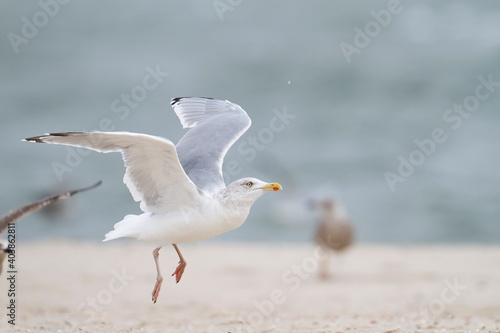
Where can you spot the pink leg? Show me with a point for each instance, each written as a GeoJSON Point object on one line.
{"type": "Point", "coordinates": [159, 278]}
{"type": "Point", "coordinates": [182, 265]}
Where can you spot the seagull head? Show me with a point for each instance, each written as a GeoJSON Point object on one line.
{"type": "Point", "coordinates": [250, 189]}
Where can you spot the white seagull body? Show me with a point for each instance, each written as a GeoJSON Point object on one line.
{"type": "Point", "coordinates": [180, 187]}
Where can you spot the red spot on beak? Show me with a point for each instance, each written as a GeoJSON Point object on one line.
{"type": "Point", "coordinates": [276, 189]}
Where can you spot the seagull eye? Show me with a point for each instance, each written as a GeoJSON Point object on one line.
{"type": "Point", "coordinates": [249, 184]}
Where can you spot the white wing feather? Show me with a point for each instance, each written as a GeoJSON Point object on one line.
{"type": "Point", "coordinates": [153, 174]}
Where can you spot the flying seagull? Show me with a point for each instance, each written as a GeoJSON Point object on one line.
{"type": "Point", "coordinates": [18, 213]}
{"type": "Point", "coordinates": [335, 231]}
{"type": "Point", "coordinates": [180, 187]}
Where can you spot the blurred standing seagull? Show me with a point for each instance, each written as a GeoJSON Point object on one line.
{"type": "Point", "coordinates": [18, 213]}
{"type": "Point", "coordinates": [335, 231]}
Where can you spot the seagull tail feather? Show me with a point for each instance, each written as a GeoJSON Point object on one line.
{"type": "Point", "coordinates": [128, 227]}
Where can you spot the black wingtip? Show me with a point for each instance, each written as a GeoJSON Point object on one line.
{"type": "Point", "coordinates": [38, 139]}
{"type": "Point", "coordinates": [178, 99]}
{"type": "Point", "coordinates": [64, 134]}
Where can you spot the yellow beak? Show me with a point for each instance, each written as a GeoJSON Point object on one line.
{"type": "Point", "coordinates": [271, 187]}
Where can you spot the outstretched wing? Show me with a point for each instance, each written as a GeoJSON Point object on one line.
{"type": "Point", "coordinates": [153, 174]}
{"type": "Point", "coordinates": [214, 126]}
{"type": "Point", "coordinates": [20, 212]}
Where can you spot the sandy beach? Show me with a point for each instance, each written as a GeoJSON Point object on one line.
{"type": "Point", "coordinates": [71, 286]}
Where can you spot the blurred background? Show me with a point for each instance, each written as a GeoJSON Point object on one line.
{"type": "Point", "coordinates": [326, 121]}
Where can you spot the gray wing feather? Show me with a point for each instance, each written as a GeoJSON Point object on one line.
{"type": "Point", "coordinates": [214, 126]}
{"type": "Point", "coordinates": [20, 212]}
